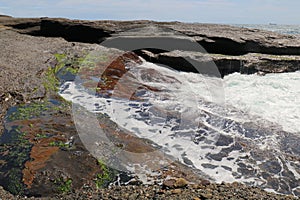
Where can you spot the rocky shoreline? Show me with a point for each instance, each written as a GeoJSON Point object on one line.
{"type": "Point", "coordinates": [190, 192]}
{"type": "Point", "coordinates": [231, 48]}
{"type": "Point", "coordinates": [29, 46]}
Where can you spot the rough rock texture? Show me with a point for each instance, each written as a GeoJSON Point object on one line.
{"type": "Point", "coordinates": [4, 194]}
{"type": "Point", "coordinates": [231, 48]}
{"type": "Point", "coordinates": [191, 192]}
{"type": "Point", "coordinates": [225, 39]}
{"type": "Point", "coordinates": [25, 25]}
{"type": "Point", "coordinates": [37, 130]}
{"type": "Point", "coordinates": [24, 65]}
{"type": "Point", "coordinates": [25, 59]}
{"type": "Point", "coordinates": [246, 64]}
{"type": "Point", "coordinates": [221, 39]}
{"type": "Point", "coordinates": [112, 74]}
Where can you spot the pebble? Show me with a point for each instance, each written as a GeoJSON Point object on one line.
{"type": "Point", "coordinates": [176, 191]}
{"type": "Point", "coordinates": [180, 183]}
{"type": "Point", "coordinates": [170, 183]}
{"type": "Point", "coordinates": [160, 192]}
{"type": "Point", "coordinates": [207, 196]}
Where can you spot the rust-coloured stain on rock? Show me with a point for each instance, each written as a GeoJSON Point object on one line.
{"type": "Point", "coordinates": [42, 149]}
{"type": "Point", "coordinates": [114, 71]}
{"type": "Point", "coordinates": [116, 81]}
{"type": "Point", "coordinates": [39, 155]}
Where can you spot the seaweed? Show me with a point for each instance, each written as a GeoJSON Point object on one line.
{"type": "Point", "coordinates": [104, 178]}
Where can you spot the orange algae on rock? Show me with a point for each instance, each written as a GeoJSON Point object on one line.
{"type": "Point", "coordinates": [39, 155]}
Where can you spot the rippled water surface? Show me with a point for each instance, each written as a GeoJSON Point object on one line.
{"type": "Point", "coordinates": [279, 28]}
{"type": "Point", "coordinates": [248, 136]}
{"type": "Point", "coordinates": [274, 97]}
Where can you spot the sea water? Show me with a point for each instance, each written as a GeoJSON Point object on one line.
{"type": "Point", "coordinates": [185, 122]}
{"type": "Point", "coordinates": [241, 128]}
{"type": "Point", "coordinates": [274, 97]}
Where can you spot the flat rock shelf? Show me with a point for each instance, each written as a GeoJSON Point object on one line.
{"type": "Point", "coordinates": [39, 143]}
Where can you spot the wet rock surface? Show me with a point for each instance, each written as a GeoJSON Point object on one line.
{"type": "Point", "coordinates": [41, 147]}
{"type": "Point", "coordinates": [252, 151]}
{"type": "Point", "coordinates": [114, 72]}
{"type": "Point", "coordinates": [246, 64]}
{"type": "Point", "coordinates": [39, 143]}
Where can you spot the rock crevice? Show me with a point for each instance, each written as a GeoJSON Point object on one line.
{"type": "Point", "coordinates": [231, 48]}
{"type": "Point", "coordinates": [204, 63]}
{"type": "Point", "coordinates": [217, 39]}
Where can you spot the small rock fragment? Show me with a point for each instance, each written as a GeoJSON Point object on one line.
{"type": "Point", "coordinates": [176, 191]}
{"type": "Point", "coordinates": [180, 183]}
{"type": "Point", "coordinates": [170, 183]}
{"type": "Point", "coordinates": [205, 182]}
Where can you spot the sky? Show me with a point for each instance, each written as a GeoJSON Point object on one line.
{"type": "Point", "coordinates": [206, 11]}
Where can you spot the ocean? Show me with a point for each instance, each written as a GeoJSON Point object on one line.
{"type": "Point", "coordinates": [282, 29]}
{"type": "Point", "coordinates": [250, 135]}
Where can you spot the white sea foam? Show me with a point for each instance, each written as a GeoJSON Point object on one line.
{"type": "Point", "coordinates": [274, 97]}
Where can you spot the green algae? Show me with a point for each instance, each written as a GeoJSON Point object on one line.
{"type": "Point", "coordinates": [15, 146]}
{"type": "Point", "coordinates": [92, 59]}
{"type": "Point", "coordinates": [14, 150]}
{"type": "Point", "coordinates": [29, 111]}
{"type": "Point", "coordinates": [68, 64]}
{"type": "Point", "coordinates": [37, 110]}
{"type": "Point", "coordinates": [54, 75]}
{"type": "Point", "coordinates": [14, 185]}
{"type": "Point", "coordinates": [103, 179]}
{"type": "Point", "coordinates": [60, 144]}
{"type": "Point", "coordinates": [50, 82]}
{"type": "Point", "coordinates": [41, 136]}
{"type": "Point", "coordinates": [63, 186]}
